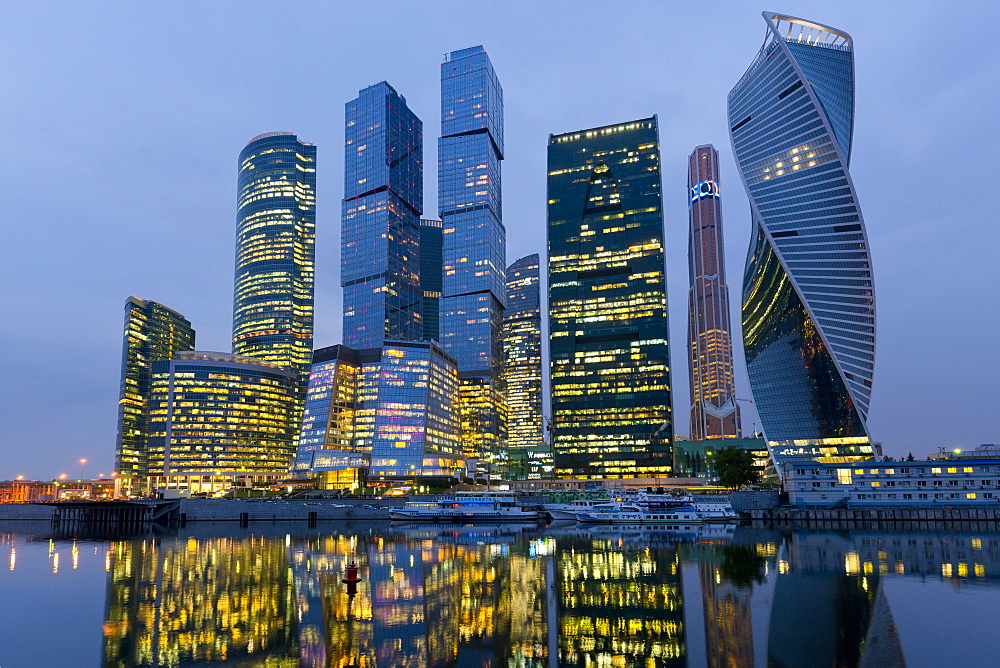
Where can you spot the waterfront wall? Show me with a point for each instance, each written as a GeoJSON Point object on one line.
{"type": "Point", "coordinates": [760, 499]}
{"type": "Point", "coordinates": [849, 515]}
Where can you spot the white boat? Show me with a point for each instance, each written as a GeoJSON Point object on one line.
{"type": "Point", "coordinates": [569, 511]}
{"type": "Point", "coordinates": [465, 507]}
{"type": "Point", "coordinates": [630, 513]}
{"type": "Point", "coordinates": [715, 511]}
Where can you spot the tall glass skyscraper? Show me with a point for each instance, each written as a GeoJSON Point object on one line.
{"type": "Point", "coordinates": [473, 291]}
{"type": "Point", "coordinates": [522, 335]}
{"type": "Point", "coordinates": [808, 299]}
{"type": "Point", "coordinates": [714, 412]}
{"type": "Point", "coordinates": [380, 234]}
{"type": "Point", "coordinates": [608, 329]}
{"type": "Point", "coordinates": [430, 276]}
{"type": "Point", "coordinates": [275, 252]}
{"type": "Point", "coordinates": [153, 332]}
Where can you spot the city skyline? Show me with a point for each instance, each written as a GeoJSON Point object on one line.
{"type": "Point", "coordinates": [904, 391]}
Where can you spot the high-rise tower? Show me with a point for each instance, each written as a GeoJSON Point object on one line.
{"type": "Point", "coordinates": [473, 290]}
{"type": "Point", "coordinates": [608, 329]}
{"type": "Point", "coordinates": [153, 332]}
{"type": "Point", "coordinates": [714, 412]}
{"type": "Point", "coordinates": [275, 252]}
{"type": "Point", "coordinates": [808, 298]}
{"type": "Point", "coordinates": [380, 235]}
{"type": "Point", "coordinates": [523, 365]}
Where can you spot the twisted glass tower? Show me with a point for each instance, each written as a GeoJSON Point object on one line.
{"type": "Point", "coordinates": [808, 298]}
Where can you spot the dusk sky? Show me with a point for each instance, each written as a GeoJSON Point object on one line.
{"type": "Point", "coordinates": [122, 122]}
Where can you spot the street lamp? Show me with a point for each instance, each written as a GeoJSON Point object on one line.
{"type": "Point", "coordinates": [82, 463]}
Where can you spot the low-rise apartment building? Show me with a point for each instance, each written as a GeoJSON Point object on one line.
{"type": "Point", "coordinates": [906, 483]}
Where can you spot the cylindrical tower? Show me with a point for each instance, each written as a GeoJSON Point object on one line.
{"type": "Point", "coordinates": [275, 251]}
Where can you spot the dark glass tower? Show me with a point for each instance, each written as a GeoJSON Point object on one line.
{"type": "Point", "coordinates": [472, 303]}
{"type": "Point", "coordinates": [714, 412]}
{"type": "Point", "coordinates": [153, 332]}
{"type": "Point", "coordinates": [808, 299]}
{"type": "Point", "coordinates": [380, 234]}
{"type": "Point", "coordinates": [522, 335]}
{"type": "Point", "coordinates": [430, 276]}
{"type": "Point", "coordinates": [275, 252]}
{"type": "Point", "coordinates": [607, 303]}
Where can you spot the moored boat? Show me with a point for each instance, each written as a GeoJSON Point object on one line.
{"type": "Point", "coordinates": [630, 513]}
{"type": "Point", "coordinates": [465, 507]}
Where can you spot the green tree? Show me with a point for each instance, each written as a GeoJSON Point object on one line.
{"type": "Point", "coordinates": [734, 467]}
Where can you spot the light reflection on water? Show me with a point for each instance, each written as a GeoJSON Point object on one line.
{"type": "Point", "coordinates": [272, 595]}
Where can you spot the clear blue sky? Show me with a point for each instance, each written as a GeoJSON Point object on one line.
{"type": "Point", "coordinates": [121, 123]}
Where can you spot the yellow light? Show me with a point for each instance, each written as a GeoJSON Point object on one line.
{"type": "Point", "coordinates": [62, 476]}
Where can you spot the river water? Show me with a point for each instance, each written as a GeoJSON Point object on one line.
{"type": "Point", "coordinates": [501, 595]}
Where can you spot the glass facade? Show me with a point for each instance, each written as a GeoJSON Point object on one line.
{"type": "Point", "coordinates": [714, 412]}
{"type": "Point", "coordinates": [808, 297]}
{"type": "Point", "coordinates": [608, 328]}
{"type": "Point", "coordinates": [431, 276]}
{"type": "Point", "coordinates": [152, 332]}
{"type": "Point", "coordinates": [216, 419]}
{"type": "Point", "coordinates": [275, 253]}
{"type": "Point", "coordinates": [522, 336]}
{"type": "Point", "coordinates": [696, 459]}
{"type": "Point", "coordinates": [385, 413]}
{"type": "Point", "coordinates": [473, 287]}
{"type": "Point", "coordinates": [380, 233]}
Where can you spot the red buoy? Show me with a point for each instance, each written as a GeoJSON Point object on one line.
{"type": "Point", "coordinates": [352, 579]}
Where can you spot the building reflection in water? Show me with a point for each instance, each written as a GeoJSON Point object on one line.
{"type": "Point", "coordinates": [519, 597]}
{"type": "Point", "coordinates": [212, 601]}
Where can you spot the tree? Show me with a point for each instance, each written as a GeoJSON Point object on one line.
{"type": "Point", "coordinates": [734, 467]}
{"type": "Point", "coordinates": [909, 457]}
{"type": "Point", "coordinates": [888, 459]}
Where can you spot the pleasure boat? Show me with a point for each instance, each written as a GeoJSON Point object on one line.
{"type": "Point", "coordinates": [630, 513]}
{"type": "Point", "coordinates": [569, 511]}
{"type": "Point", "coordinates": [465, 507]}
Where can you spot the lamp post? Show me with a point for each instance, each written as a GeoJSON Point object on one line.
{"type": "Point", "coordinates": [83, 462]}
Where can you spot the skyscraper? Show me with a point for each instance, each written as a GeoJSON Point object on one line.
{"type": "Point", "coordinates": [808, 300]}
{"type": "Point", "coordinates": [382, 408]}
{"type": "Point", "coordinates": [608, 329]}
{"type": "Point", "coordinates": [473, 290]}
{"type": "Point", "coordinates": [430, 276]}
{"type": "Point", "coordinates": [380, 235]}
{"type": "Point", "coordinates": [714, 412]}
{"type": "Point", "coordinates": [152, 332]}
{"type": "Point", "coordinates": [275, 252]}
{"type": "Point", "coordinates": [522, 335]}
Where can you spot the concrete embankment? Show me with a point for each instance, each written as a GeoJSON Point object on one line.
{"type": "Point", "coordinates": [237, 510]}
{"type": "Point", "coordinates": [834, 518]}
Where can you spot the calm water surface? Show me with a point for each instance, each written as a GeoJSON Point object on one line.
{"type": "Point", "coordinates": [272, 595]}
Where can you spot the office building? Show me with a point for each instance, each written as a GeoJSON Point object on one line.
{"type": "Point", "coordinates": [381, 417]}
{"type": "Point", "coordinates": [431, 276]}
{"type": "Point", "coordinates": [380, 233]}
{"type": "Point", "coordinates": [522, 336]}
{"type": "Point", "coordinates": [275, 253]}
{"type": "Point", "coordinates": [152, 332]}
{"type": "Point", "coordinates": [696, 459]}
{"type": "Point", "coordinates": [714, 412]}
{"type": "Point", "coordinates": [473, 288]}
{"type": "Point", "coordinates": [808, 297]}
{"type": "Point", "coordinates": [610, 364]}
{"type": "Point", "coordinates": [218, 421]}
